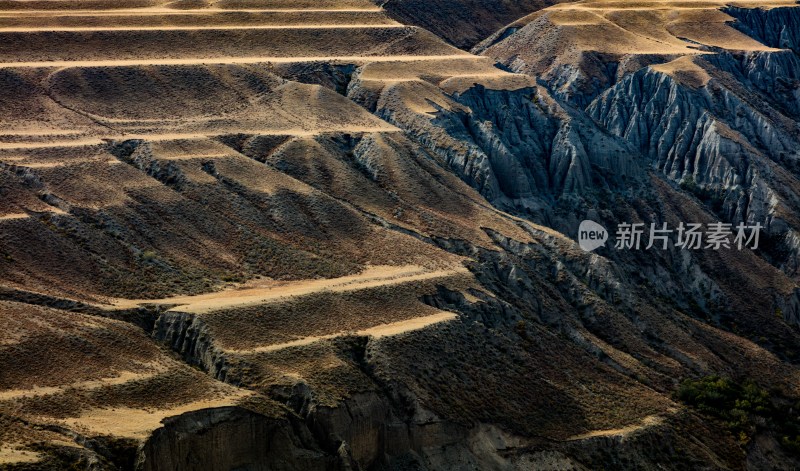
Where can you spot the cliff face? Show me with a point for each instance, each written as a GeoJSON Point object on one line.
{"type": "Point", "coordinates": [229, 438]}
{"type": "Point", "coordinates": [556, 152]}
{"type": "Point", "coordinates": [776, 27]}
{"type": "Point", "coordinates": [724, 140]}
{"type": "Point", "coordinates": [516, 147]}
{"type": "Point", "coordinates": [722, 124]}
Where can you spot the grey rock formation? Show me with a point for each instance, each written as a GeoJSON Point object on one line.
{"type": "Point", "coordinates": [519, 148]}
{"type": "Point", "coordinates": [229, 438]}
{"type": "Point", "coordinates": [775, 27]}
{"type": "Point", "coordinates": [724, 141]}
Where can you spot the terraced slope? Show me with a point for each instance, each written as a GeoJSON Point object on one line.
{"type": "Point", "coordinates": [560, 42]}
{"type": "Point", "coordinates": [122, 133]}
{"type": "Point", "coordinates": [55, 395]}
{"type": "Point", "coordinates": [249, 234]}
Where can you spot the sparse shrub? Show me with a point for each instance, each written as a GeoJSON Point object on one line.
{"type": "Point", "coordinates": [688, 184]}
{"type": "Point", "coordinates": [744, 409]}
{"type": "Point", "coordinates": [521, 329]}
{"type": "Point", "coordinates": [234, 278]}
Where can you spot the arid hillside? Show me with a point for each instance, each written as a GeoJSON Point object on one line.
{"type": "Point", "coordinates": [463, 23]}
{"type": "Point", "coordinates": [340, 234]}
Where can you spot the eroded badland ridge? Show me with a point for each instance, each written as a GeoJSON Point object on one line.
{"type": "Point", "coordinates": [274, 234]}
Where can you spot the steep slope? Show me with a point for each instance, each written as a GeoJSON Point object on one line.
{"type": "Point", "coordinates": [249, 234]}
{"type": "Point", "coordinates": [704, 91]}
{"type": "Point", "coordinates": [462, 23]}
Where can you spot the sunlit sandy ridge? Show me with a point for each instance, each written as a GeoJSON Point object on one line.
{"type": "Point", "coordinates": [278, 291]}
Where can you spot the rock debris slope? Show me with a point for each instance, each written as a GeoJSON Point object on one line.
{"type": "Point", "coordinates": [708, 93]}
{"type": "Point", "coordinates": [271, 234]}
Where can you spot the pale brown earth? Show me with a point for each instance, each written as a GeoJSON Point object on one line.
{"type": "Point", "coordinates": [648, 421]}
{"type": "Point", "coordinates": [166, 164]}
{"type": "Point", "coordinates": [47, 378]}
{"type": "Point", "coordinates": [651, 26]}
{"type": "Point", "coordinates": [685, 70]}
{"type": "Point", "coordinates": [383, 330]}
{"type": "Point", "coordinates": [177, 82]}
{"type": "Point", "coordinates": [267, 292]}
{"type": "Point", "coordinates": [623, 31]}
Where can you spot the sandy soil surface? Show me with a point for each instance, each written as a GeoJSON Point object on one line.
{"type": "Point", "coordinates": [271, 291]}
{"type": "Point", "coordinates": [138, 423]}
{"type": "Point", "coordinates": [11, 454]}
{"type": "Point", "coordinates": [685, 70]}
{"type": "Point", "coordinates": [647, 422]}
{"type": "Point", "coordinates": [231, 60]}
{"type": "Point", "coordinates": [384, 330]}
{"type": "Point", "coordinates": [118, 379]}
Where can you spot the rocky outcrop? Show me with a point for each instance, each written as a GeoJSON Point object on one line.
{"type": "Point", "coordinates": [189, 336]}
{"type": "Point", "coordinates": [776, 27]}
{"type": "Point", "coordinates": [724, 142]}
{"type": "Point", "coordinates": [231, 438]}
{"type": "Point", "coordinates": [237, 438]}
{"type": "Point", "coordinates": [723, 124]}
{"type": "Point", "coordinates": [541, 47]}
{"type": "Point", "coordinates": [519, 148]}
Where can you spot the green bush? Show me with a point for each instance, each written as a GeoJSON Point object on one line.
{"type": "Point", "coordinates": [737, 406]}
